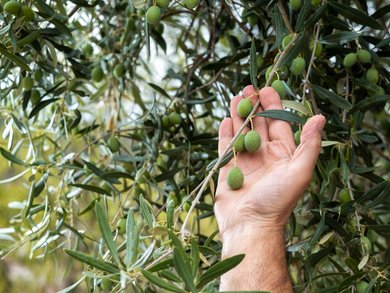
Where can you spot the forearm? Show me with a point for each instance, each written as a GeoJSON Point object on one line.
{"type": "Point", "coordinates": [264, 266]}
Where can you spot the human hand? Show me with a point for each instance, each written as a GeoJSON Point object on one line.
{"type": "Point", "coordinates": [275, 176]}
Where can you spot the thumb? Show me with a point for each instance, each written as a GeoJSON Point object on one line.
{"type": "Point", "coordinates": [306, 155]}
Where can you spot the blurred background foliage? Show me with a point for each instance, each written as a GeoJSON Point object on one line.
{"type": "Point", "coordinates": [109, 116]}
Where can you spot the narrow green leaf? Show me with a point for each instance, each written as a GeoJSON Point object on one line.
{"type": "Point", "coordinates": [161, 282]}
{"type": "Point", "coordinates": [14, 58]}
{"type": "Point", "coordinates": [225, 160]}
{"type": "Point", "coordinates": [92, 261]}
{"type": "Point", "coordinates": [106, 232]}
{"type": "Point", "coordinates": [195, 259]}
{"type": "Point", "coordinates": [40, 106]}
{"type": "Point", "coordinates": [320, 229]}
{"type": "Point", "coordinates": [355, 15]}
{"type": "Point", "coordinates": [339, 38]}
{"type": "Point", "coordinates": [146, 211]}
{"type": "Point", "coordinates": [132, 237]}
{"type": "Point", "coordinates": [29, 38]}
{"type": "Point", "coordinates": [182, 263]}
{"type": "Point", "coordinates": [90, 188]}
{"type": "Point", "coordinates": [303, 15]}
{"type": "Point", "coordinates": [10, 157]}
{"type": "Point", "coordinates": [332, 97]}
{"type": "Point", "coordinates": [253, 64]}
{"type": "Point", "coordinates": [219, 269]}
{"type": "Point", "coordinates": [282, 115]}
{"type": "Point", "coordinates": [370, 102]}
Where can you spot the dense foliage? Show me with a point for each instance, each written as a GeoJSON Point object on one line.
{"type": "Point", "coordinates": [109, 116]}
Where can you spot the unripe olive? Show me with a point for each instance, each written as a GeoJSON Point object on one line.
{"type": "Point", "coordinates": [88, 50]}
{"type": "Point", "coordinates": [252, 141]}
{"type": "Point", "coordinates": [191, 4]}
{"type": "Point", "coordinates": [268, 74]}
{"type": "Point", "coordinates": [121, 226]}
{"type": "Point", "coordinates": [28, 13]}
{"type": "Point", "coordinates": [244, 108]}
{"type": "Point", "coordinates": [153, 15]}
{"type": "Point", "coordinates": [315, 2]}
{"type": "Point", "coordinates": [165, 121]}
{"type": "Point", "coordinates": [279, 87]}
{"type": "Point", "coordinates": [35, 97]}
{"type": "Point", "coordinates": [295, 4]}
{"type": "Point", "coordinates": [366, 244]}
{"type": "Point", "coordinates": [287, 40]}
{"type": "Point", "coordinates": [119, 70]}
{"type": "Point", "coordinates": [364, 56]}
{"type": "Point", "coordinates": [318, 50]}
{"type": "Point", "coordinates": [28, 83]}
{"type": "Point", "coordinates": [38, 74]}
{"type": "Point", "coordinates": [12, 7]}
{"type": "Point", "coordinates": [349, 60]}
{"type": "Point", "coordinates": [259, 60]}
{"type": "Point", "coordinates": [361, 287]}
{"type": "Point", "coordinates": [175, 118]}
{"type": "Point", "coordinates": [298, 66]}
{"type": "Point", "coordinates": [239, 145]}
{"type": "Point", "coordinates": [162, 3]}
{"type": "Point", "coordinates": [344, 196]}
{"type": "Point", "coordinates": [297, 137]}
{"type": "Point", "coordinates": [372, 75]}
{"type": "Point", "coordinates": [378, 91]}
{"type": "Point", "coordinates": [97, 74]}
{"type": "Point", "coordinates": [113, 144]}
{"type": "Point", "coordinates": [235, 178]}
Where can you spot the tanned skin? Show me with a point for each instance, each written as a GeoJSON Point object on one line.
{"type": "Point", "coordinates": [252, 219]}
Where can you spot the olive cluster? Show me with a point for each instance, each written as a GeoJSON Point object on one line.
{"type": "Point", "coordinates": [153, 14]}
{"type": "Point", "coordinates": [372, 75]}
{"type": "Point", "coordinates": [250, 141]}
{"type": "Point", "coordinates": [16, 8]}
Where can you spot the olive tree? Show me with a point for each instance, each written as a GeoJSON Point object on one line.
{"type": "Point", "coordinates": [109, 119]}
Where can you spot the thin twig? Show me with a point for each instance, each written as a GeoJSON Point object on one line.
{"type": "Point", "coordinates": [306, 80]}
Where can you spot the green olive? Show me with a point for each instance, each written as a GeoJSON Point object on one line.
{"type": "Point", "coordinates": [372, 75]}
{"type": "Point", "coordinates": [295, 4]}
{"type": "Point", "coordinates": [364, 56]}
{"type": "Point", "coordinates": [279, 87]}
{"type": "Point", "coordinates": [349, 60]}
{"type": "Point", "coordinates": [298, 66]}
{"type": "Point", "coordinates": [28, 13]}
{"type": "Point", "coordinates": [287, 40]}
{"type": "Point", "coordinates": [175, 118]}
{"type": "Point", "coordinates": [252, 141]}
{"type": "Point", "coordinates": [244, 108]}
{"type": "Point", "coordinates": [344, 196]}
{"type": "Point", "coordinates": [12, 7]}
{"type": "Point", "coordinates": [239, 145]}
{"type": "Point", "coordinates": [153, 15]}
{"type": "Point", "coordinates": [113, 144]}
{"type": "Point", "coordinates": [162, 3]}
{"type": "Point", "coordinates": [191, 4]}
{"type": "Point", "coordinates": [119, 70]}
{"type": "Point", "coordinates": [97, 74]}
{"type": "Point", "coordinates": [235, 178]}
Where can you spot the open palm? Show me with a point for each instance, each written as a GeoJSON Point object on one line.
{"type": "Point", "coordinates": [275, 176]}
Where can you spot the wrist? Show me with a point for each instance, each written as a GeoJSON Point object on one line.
{"type": "Point", "coordinates": [248, 238]}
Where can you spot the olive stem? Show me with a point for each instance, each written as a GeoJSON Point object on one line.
{"type": "Point", "coordinates": [201, 187]}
